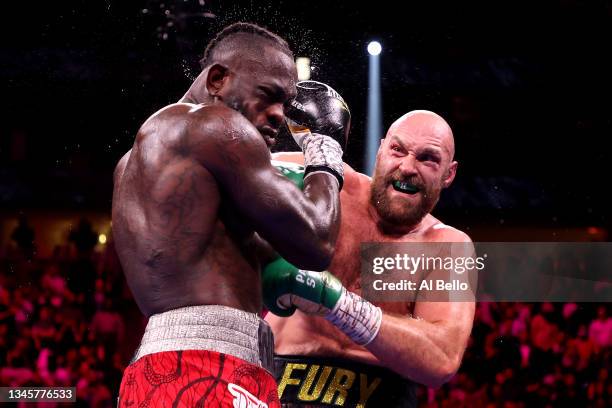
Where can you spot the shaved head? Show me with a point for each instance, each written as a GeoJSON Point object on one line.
{"type": "Point", "coordinates": [413, 164]}
{"type": "Point", "coordinates": [425, 122]}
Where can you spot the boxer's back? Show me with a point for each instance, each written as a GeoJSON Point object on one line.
{"type": "Point", "coordinates": [175, 248]}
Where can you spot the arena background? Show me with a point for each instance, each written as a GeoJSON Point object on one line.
{"type": "Point", "coordinates": [525, 86]}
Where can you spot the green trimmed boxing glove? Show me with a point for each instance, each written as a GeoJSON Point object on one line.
{"type": "Point", "coordinates": [286, 288]}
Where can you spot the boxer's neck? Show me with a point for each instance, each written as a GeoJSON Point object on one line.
{"type": "Point", "coordinates": [197, 92]}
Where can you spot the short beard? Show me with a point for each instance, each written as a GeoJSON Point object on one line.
{"type": "Point", "coordinates": [404, 216]}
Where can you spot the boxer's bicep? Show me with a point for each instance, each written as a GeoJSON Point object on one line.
{"type": "Point", "coordinates": [451, 311]}
{"type": "Point", "coordinates": [283, 215]}
{"type": "Point", "coordinates": [454, 318]}
{"type": "Point", "coordinates": [280, 212]}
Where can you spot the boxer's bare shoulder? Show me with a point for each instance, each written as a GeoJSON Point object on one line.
{"type": "Point", "coordinates": [356, 184]}
{"type": "Point", "coordinates": [203, 131]}
{"type": "Point", "coordinates": [120, 168]}
{"type": "Point", "coordinates": [437, 231]}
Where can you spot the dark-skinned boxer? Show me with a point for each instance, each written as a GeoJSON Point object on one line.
{"type": "Point", "coordinates": [197, 207]}
{"type": "Point", "coordinates": [339, 349]}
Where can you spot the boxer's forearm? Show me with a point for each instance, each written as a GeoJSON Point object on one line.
{"type": "Point", "coordinates": [425, 352]}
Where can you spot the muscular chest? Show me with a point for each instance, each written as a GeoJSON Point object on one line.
{"type": "Point", "coordinates": [346, 265]}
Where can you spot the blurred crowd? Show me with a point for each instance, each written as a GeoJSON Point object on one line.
{"type": "Point", "coordinates": [70, 320]}
{"type": "Point", "coordinates": [533, 355]}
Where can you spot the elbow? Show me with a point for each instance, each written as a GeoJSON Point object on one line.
{"type": "Point", "coordinates": [443, 373]}
{"type": "Point", "coordinates": [319, 259]}
{"type": "Point", "coordinates": [313, 257]}
{"type": "Point", "coordinates": [322, 250]}
{"type": "Point", "coordinates": [317, 246]}
{"type": "Point", "coordinates": [326, 247]}
{"type": "Point", "coordinates": [325, 256]}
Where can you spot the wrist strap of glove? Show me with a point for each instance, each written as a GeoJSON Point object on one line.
{"type": "Point", "coordinates": [356, 317]}
{"type": "Point", "coordinates": [322, 153]}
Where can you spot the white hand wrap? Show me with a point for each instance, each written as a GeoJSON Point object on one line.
{"type": "Point", "coordinates": [356, 317]}
{"type": "Point", "coordinates": [322, 153]}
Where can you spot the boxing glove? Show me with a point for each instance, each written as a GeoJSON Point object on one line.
{"type": "Point", "coordinates": [318, 108]}
{"type": "Point", "coordinates": [287, 288]}
{"type": "Point", "coordinates": [319, 121]}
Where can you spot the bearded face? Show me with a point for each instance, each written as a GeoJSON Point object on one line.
{"type": "Point", "coordinates": [403, 200]}
{"type": "Point", "coordinates": [413, 164]}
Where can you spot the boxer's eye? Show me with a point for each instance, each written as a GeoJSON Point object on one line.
{"type": "Point", "coordinates": [274, 95]}
{"type": "Point", "coordinates": [429, 157]}
{"type": "Point", "coordinates": [397, 148]}
{"type": "Point", "coordinates": [267, 93]}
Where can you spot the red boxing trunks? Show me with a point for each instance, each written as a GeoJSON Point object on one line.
{"type": "Point", "coordinates": [196, 378]}
{"type": "Point", "coordinates": [202, 356]}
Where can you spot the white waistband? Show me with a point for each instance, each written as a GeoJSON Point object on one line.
{"type": "Point", "coordinates": [211, 327]}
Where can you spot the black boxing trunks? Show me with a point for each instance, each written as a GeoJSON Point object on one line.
{"type": "Point", "coordinates": [331, 382]}
{"type": "Point", "coordinates": [202, 356]}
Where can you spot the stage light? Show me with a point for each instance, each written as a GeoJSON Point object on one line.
{"type": "Point", "coordinates": [303, 68]}
{"type": "Point", "coordinates": [102, 239]}
{"type": "Point", "coordinates": [374, 113]}
{"type": "Point", "coordinates": [374, 48]}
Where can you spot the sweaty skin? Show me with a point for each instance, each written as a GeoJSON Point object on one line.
{"type": "Point", "coordinates": [196, 196]}
{"type": "Point", "coordinates": [418, 147]}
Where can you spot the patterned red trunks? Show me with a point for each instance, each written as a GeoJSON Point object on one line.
{"type": "Point", "coordinates": [196, 378]}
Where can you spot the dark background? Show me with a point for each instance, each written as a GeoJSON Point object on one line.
{"type": "Point", "coordinates": [525, 86]}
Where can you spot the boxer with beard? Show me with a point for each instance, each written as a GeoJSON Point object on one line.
{"type": "Point", "coordinates": [339, 349]}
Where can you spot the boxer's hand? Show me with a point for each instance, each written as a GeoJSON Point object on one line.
{"type": "Point", "coordinates": [286, 288]}
{"type": "Point", "coordinates": [317, 108]}
{"type": "Point", "coordinates": [319, 121]}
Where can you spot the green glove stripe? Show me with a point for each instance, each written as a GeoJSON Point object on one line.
{"type": "Point", "coordinates": [276, 281]}
{"type": "Point", "coordinates": [332, 296]}
{"type": "Point", "coordinates": [318, 287]}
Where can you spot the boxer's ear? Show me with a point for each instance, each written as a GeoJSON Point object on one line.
{"type": "Point", "coordinates": [216, 79]}
{"type": "Point", "coordinates": [450, 174]}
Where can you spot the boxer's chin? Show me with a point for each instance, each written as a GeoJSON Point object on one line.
{"type": "Point", "coordinates": [401, 215]}
{"type": "Point", "coordinates": [395, 211]}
